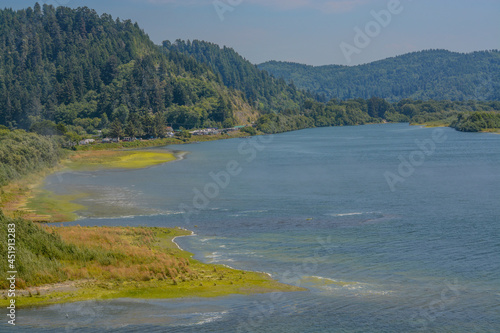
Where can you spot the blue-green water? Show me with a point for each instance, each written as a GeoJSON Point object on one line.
{"type": "Point", "coordinates": [417, 253]}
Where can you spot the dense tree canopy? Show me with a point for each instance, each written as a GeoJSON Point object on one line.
{"type": "Point", "coordinates": [425, 75]}
{"type": "Point", "coordinates": [260, 89]}
{"type": "Point", "coordinates": [75, 67]}
{"type": "Point", "coordinates": [465, 116]}
{"type": "Point", "coordinates": [22, 153]}
{"type": "Point", "coordinates": [476, 121]}
{"type": "Point", "coordinates": [74, 73]}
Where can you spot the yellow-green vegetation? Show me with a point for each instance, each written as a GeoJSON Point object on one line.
{"type": "Point", "coordinates": [492, 130]}
{"type": "Point", "coordinates": [117, 159]}
{"type": "Point", "coordinates": [445, 122]}
{"type": "Point", "coordinates": [479, 121]}
{"type": "Point", "coordinates": [21, 193]}
{"type": "Point", "coordinates": [45, 206]}
{"type": "Point", "coordinates": [65, 264]}
{"type": "Point", "coordinates": [16, 198]}
{"type": "Point", "coordinates": [466, 123]}
{"type": "Point", "coordinates": [26, 198]}
{"type": "Point", "coordinates": [432, 124]}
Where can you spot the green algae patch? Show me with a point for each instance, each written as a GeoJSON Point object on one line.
{"type": "Point", "coordinates": [143, 262]}
{"type": "Point", "coordinates": [25, 198]}
{"type": "Point", "coordinates": [41, 205]}
{"type": "Point", "coordinates": [117, 159]}
{"type": "Point", "coordinates": [45, 206]}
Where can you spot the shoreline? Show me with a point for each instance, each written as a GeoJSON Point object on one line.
{"type": "Point", "coordinates": [30, 188]}
{"type": "Point", "coordinates": [437, 124]}
{"type": "Point", "coordinates": [225, 265]}
{"type": "Point", "coordinates": [173, 239]}
{"type": "Point", "coordinates": [80, 290]}
{"type": "Point", "coordinates": [27, 198]}
{"type": "Point", "coordinates": [193, 278]}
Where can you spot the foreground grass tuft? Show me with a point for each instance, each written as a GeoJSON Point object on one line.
{"type": "Point", "coordinates": [64, 264]}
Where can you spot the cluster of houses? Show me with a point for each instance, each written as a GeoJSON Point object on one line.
{"type": "Point", "coordinates": [169, 134]}
{"type": "Point", "coordinates": [86, 142]}
{"type": "Point", "coordinates": [110, 140]}
{"type": "Point", "coordinates": [206, 131]}
{"type": "Point", "coordinates": [105, 140]}
{"type": "Point", "coordinates": [215, 131]}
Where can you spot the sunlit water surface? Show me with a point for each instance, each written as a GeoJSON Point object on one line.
{"type": "Point", "coordinates": [313, 208]}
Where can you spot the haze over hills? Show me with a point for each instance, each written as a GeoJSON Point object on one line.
{"type": "Point", "coordinates": [284, 108]}
{"type": "Point", "coordinates": [431, 74]}
{"type": "Point", "coordinates": [75, 73]}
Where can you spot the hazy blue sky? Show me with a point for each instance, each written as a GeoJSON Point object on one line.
{"type": "Point", "coordinates": [311, 31]}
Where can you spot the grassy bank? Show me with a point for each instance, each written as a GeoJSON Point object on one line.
{"type": "Point", "coordinates": [447, 123]}
{"type": "Point", "coordinates": [26, 197]}
{"type": "Point", "coordinates": [478, 121]}
{"type": "Point", "coordinates": [69, 264]}
{"type": "Point", "coordinates": [431, 124]}
{"type": "Point", "coordinates": [117, 159]}
{"type": "Point", "coordinates": [78, 263]}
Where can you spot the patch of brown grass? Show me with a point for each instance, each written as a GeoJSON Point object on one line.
{"type": "Point", "coordinates": [126, 254]}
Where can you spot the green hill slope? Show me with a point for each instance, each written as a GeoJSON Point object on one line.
{"type": "Point", "coordinates": [432, 74]}
{"type": "Point", "coordinates": [260, 89]}
{"type": "Point", "coordinates": [87, 71]}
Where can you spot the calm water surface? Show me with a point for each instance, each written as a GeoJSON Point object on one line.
{"type": "Point", "coordinates": [313, 208]}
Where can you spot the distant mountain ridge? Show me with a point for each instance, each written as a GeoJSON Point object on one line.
{"type": "Point", "coordinates": [424, 75]}
{"type": "Point", "coordinates": [74, 74]}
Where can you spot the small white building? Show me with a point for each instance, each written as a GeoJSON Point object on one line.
{"type": "Point", "coordinates": [205, 131]}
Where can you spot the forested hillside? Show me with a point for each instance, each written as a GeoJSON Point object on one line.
{"type": "Point", "coordinates": [261, 90]}
{"type": "Point", "coordinates": [22, 153]}
{"type": "Point", "coordinates": [73, 73]}
{"type": "Point", "coordinates": [469, 116]}
{"type": "Point", "coordinates": [86, 71]}
{"type": "Point", "coordinates": [425, 75]}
